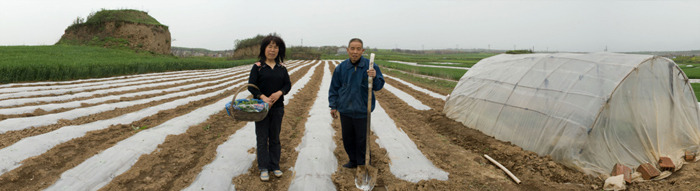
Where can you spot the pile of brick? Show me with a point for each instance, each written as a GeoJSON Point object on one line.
{"type": "Point", "coordinates": [648, 171]}
{"type": "Point", "coordinates": [689, 156]}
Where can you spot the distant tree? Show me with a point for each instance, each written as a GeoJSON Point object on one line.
{"type": "Point", "coordinates": [249, 48]}
{"type": "Point", "coordinates": [249, 42]}
{"type": "Point", "coordinates": [303, 53]}
{"type": "Point", "coordinates": [328, 49]}
{"type": "Point", "coordinates": [519, 52]}
{"type": "Point", "coordinates": [686, 59]}
{"type": "Point", "coordinates": [78, 21]}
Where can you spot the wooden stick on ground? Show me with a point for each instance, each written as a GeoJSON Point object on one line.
{"type": "Point", "coordinates": [503, 168]}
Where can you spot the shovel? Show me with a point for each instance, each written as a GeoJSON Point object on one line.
{"type": "Point", "coordinates": [366, 175]}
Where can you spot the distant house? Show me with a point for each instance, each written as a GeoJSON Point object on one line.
{"type": "Point", "coordinates": [342, 50]}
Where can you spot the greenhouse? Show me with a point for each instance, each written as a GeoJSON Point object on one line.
{"type": "Point", "coordinates": [587, 111]}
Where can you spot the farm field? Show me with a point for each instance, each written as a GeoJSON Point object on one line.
{"type": "Point", "coordinates": [72, 62]}
{"type": "Point", "coordinates": [169, 131]}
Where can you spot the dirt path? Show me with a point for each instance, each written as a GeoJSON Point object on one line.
{"type": "Point", "coordinates": [534, 171]}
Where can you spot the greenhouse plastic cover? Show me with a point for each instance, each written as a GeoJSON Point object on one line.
{"type": "Point", "coordinates": [588, 111]}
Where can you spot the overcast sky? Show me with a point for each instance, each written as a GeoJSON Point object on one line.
{"type": "Point", "coordinates": [554, 25]}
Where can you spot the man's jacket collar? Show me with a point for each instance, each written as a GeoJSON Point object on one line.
{"type": "Point", "coordinates": [361, 63]}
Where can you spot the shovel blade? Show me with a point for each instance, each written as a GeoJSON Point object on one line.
{"type": "Point", "coordinates": [365, 177]}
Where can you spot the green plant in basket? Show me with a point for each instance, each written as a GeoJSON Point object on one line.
{"type": "Point", "coordinates": [250, 105]}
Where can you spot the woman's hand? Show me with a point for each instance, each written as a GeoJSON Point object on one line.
{"type": "Point", "coordinates": [266, 99]}
{"type": "Point", "coordinates": [275, 96]}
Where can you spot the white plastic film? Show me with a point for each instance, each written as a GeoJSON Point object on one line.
{"type": "Point", "coordinates": [588, 111]}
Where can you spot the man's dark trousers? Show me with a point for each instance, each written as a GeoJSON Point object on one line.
{"type": "Point", "coordinates": [354, 137]}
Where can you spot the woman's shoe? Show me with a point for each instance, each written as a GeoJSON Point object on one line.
{"type": "Point", "coordinates": [278, 173]}
{"type": "Point", "coordinates": [264, 175]}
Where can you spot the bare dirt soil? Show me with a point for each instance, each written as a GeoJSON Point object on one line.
{"type": "Point", "coordinates": [450, 146]}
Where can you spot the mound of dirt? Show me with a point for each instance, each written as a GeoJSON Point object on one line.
{"type": "Point", "coordinates": [247, 52]}
{"type": "Point", "coordinates": [119, 32]}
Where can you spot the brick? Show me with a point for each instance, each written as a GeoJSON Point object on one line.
{"type": "Point", "coordinates": [624, 170]}
{"type": "Point", "coordinates": [665, 163]}
{"type": "Point", "coordinates": [689, 156]}
{"type": "Point", "coordinates": [648, 171]}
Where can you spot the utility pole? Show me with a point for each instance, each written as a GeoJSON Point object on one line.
{"type": "Point", "coordinates": [302, 42]}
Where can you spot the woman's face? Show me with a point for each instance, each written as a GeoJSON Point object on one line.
{"type": "Point", "coordinates": [271, 50]}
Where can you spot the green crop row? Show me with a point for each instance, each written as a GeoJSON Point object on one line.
{"type": "Point", "coordinates": [696, 89]}
{"type": "Point", "coordinates": [440, 86]}
{"type": "Point", "coordinates": [454, 74]}
{"type": "Point", "coordinates": [66, 62]}
{"type": "Point", "coordinates": [468, 64]}
{"type": "Point", "coordinates": [431, 57]}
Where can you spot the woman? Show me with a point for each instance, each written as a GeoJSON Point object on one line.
{"type": "Point", "coordinates": [271, 76]}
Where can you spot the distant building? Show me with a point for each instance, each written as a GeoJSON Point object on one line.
{"type": "Point", "coordinates": [342, 50]}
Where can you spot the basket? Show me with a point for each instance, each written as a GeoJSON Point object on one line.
{"type": "Point", "coordinates": [243, 115]}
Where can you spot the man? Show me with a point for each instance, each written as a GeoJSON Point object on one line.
{"type": "Point", "coordinates": [347, 98]}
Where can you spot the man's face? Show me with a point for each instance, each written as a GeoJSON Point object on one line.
{"type": "Point", "coordinates": [355, 51]}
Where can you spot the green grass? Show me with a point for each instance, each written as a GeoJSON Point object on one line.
{"type": "Point", "coordinates": [691, 72]}
{"type": "Point", "coordinates": [383, 54]}
{"type": "Point", "coordinates": [125, 15]}
{"type": "Point", "coordinates": [462, 59]}
{"type": "Point", "coordinates": [696, 89]}
{"type": "Point", "coordinates": [137, 128]}
{"type": "Point", "coordinates": [441, 86]}
{"type": "Point", "coordinates": [67, 62]}
{"type": "Point", "coordinates": [467, 65]}
{"type": "Point", "coordinates": [448, 73]}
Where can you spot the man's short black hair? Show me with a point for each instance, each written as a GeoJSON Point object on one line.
{"type": "Point", "coordinates": [356, 39]}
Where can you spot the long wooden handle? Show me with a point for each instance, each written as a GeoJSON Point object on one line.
{"type": "Point", "coordinates": [503, 168]}
{"type": "Point", "coordinates": [369, 108]}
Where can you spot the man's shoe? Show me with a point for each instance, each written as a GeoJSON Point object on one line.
{"type": "Point", "coordinates": [350, 165]}
{"type": "Point", "coordinates": [264, 175]}
{"type": "Point", "coordinates": [277, 173]}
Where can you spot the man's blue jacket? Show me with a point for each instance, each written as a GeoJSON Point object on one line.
{"type": "Point", "coordinates": [348, 91]}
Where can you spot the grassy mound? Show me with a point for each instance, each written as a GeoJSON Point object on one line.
{"type": "Point", "coordinates": [126, 28]}
{"type": "Point", "coordinates": [123, 15]}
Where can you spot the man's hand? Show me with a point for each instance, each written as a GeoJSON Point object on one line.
{"type": "Point", "coordinates": [334, 113]}
{"type": "Point", "coordinates": [371, 72]}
